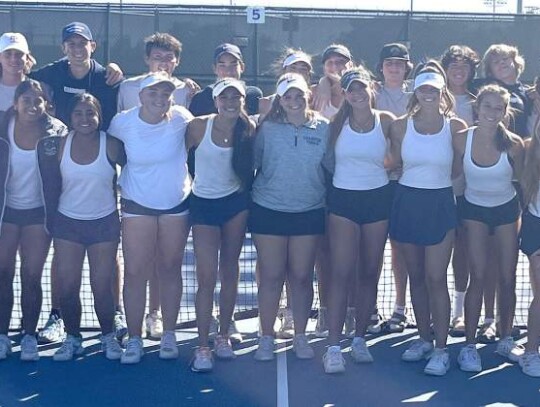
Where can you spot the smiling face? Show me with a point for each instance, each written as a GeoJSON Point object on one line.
{"type": "Point", "coordinates": [394, 71]}
{"type": "Point", "coordinates": [491, 109]}
{"type": "Point", "coordinates": [228, 66]}
{"type": "Point", "coordinates": [503, 68]}
{"type": "Point", "coordinates": [358, 95]}
{"type": "Point", "coordinates": [156, 100]}
{"type": "Point", "coordinates": [78, 49]}
{"type": "Point", "coordinates": [294, 102]}
{"type": "Point", "coordinates": [230, 102]}
{"type": "Point", "coordinates": [30, 106]}
{"type": "Point", "coordinates": [162, 60]}
{"type": "Point", "coordinates": [85, 118]}
{"type": "Point", "coordinates": [336, 64]}
{"type": "Point", "coordinates": [458, 73]}
{"type": "Point", "coordinates": [428, 96]}
{"type": "Point", "coordinates": [13, 62]}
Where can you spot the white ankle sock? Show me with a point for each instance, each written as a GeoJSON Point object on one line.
{"type": "Point", "coordinates": [459, 302]}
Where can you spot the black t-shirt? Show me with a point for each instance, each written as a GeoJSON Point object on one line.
{"type": "Point", "coordinates": [519, 101]}
{"type": "Point", "coordinates": [65, 86]}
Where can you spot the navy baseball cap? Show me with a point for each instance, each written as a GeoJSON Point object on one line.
{"type": "Point", "coordinates": [76, 28]}
{"type": "Point", "coordinates": [228, 49]}
{"type": "Point", "coordinates": [394, 51]}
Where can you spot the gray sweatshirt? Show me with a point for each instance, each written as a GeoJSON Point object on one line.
{"type": "Point", "coordinates": [288, 159]}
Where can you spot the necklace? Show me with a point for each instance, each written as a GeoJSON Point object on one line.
{"type": "Point", "coordinates": [225, 140]}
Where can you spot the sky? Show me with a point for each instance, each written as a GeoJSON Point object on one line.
{"type": "Point", "coordinates": [474, 6]}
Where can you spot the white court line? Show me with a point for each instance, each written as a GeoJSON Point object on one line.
{"type": "Point", "coordinates": [282, 380]}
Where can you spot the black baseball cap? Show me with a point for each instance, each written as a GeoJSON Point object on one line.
{"type": "Point", "coordinates": [336, 49]}
{"type": "Point", "coordinates": [227, 48]}
{"type": "Point", "coordinates": [394, 51]}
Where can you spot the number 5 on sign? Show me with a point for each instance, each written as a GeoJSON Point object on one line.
{"type": "Point", "coordinates": [255, 15]}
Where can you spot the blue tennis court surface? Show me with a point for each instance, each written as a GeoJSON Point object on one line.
{"type": "Point", "coordinates": [91, 380]}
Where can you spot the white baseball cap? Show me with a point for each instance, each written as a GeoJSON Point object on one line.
{"type": "Point", "coordinates": [154, 79]}
{"type": "Point", "coordinates": [429, 78]}
{"type": "Point", "coordinates": [14, 41]}
{"type": "Point", "coordinates": [289, 81]}
{"type": "Point", "coordinates": [225, 83]}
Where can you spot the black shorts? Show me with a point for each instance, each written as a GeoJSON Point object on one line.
{"type": "Point", "coordinates": [266, 221]}
{"type": "Point", "coordinates": [133, 208]}
{"type": "Point", "coordinates": [217, 212]}
{"type": "Point", "coordinates": [87, 232]}
{"type": "Point", "coordinates": [529, 236]}
{"type": "Point", "coordinates": [361, 207]}
{"type": "Point", "coordinates": [24, 217]}
{"type": "Point", "coordinates": [491, 216]}
{"type": "Point", "coordinates": [422, 217]}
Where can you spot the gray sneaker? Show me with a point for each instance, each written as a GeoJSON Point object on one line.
{"type": "Point", "coordinates": [439, 363]}
{"type": "Point", "coordinates": [302, 348]}
{"type": "Point", "coordinates": [110, 346]}
{"type": "Point", "coordinates": [265, 351]}
{"type": "Point", "coordinates": [71, 347]}
{"type": "Point", "coordinates": [469, 359]}
{"type": "Point", "coordinates": [506, 347]}
{"type": "Point", "coordinates": [5, 347]}
{"type": "Point", "coordinates": [360, 352]}
{"type": "Point", "coordinates": [53, 331]}
{"type": "Point", "coordinates": [29, 349]}
{"type": "Point", "coordinates": [418, 350]}
{"type": "Point", "coordinates": [223, 348]}
{"type": "Point", "coordinates": [333, 360]}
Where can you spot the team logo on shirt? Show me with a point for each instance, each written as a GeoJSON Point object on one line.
{"type": "Point", "coordinates": [50, 147]}
{"type": "Point", "coordinates": [315, 141]}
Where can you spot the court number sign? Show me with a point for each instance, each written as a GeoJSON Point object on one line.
{"type": "Point", "coordinates": [255, 15]}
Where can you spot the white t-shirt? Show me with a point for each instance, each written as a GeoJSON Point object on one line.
{"type": "Point", "coordinates": [156, 174]}
{"type": "Point", "coordinates": [7, 93]}
{"type": "Point", "coordinates": [128, 94]}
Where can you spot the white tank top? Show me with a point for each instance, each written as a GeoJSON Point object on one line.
{"type": "Point", "coordinates": [427, 159]}
{"type": "Point", "coordinates": [534, 206]}
{"type": "Point", "coordinates": [214, 173]}
{"type": "Point", "coordinates": [360, 158]}
{"type": "Point", "coordinates": [487, 186]}
{"type": "Point", "coordinates": [87, 190]}
{"type": "Point", "coordinates": [24, 183]}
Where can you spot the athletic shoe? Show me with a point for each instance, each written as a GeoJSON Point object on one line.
{"type": "Point", "coordinates": [506, 347]}
{"type": "Point", "coordinates": [167, 347]}
{"type": "Point", "coordinates": [214, 328]}
{"type": "Point", "coordinates": [134, 351]}
{"type": "Point", "coordinates": [72, 346]}
{"type": "Point", "coordinates": [302, 348]}
{"type": "Point", "coordinates": [514, 333]}
{"type": "Point", "coordinates": [234, 334]}
{"type": "Point", "coordinates": [5, 347]}
{"type": "Point", "coordinates": [375, 324]}
{"type": "Point", "coordinates": [349, 326]}
{"type": "Point", "coordinates": [202, 360]}
{"type": "Point", "coordinates": [223, 348]}
{"type": "Point", "coordinates": [29, 349]}
{"type": "Point", "coordinates": [286, 328]}
{"type": "Point", "coordinates": [110, 346]}
{"type": "Point", "coordinates": [265, 350]}
{"type": "Point", "coordinates": [321, 329]}
{"type": "Point", "coordinates": [53, 331]}
{"type": "Point", "coordinates": [530, 364]}
{"type": "Point", "coordinates": [395, 324]}
{"type": "Point", "coordinates": [469, 359]}
{"type": "Point", "coordinates": [487, 333]}
{"type": "Point", "coordinates": [333, 360]}
{"type": "Point", "coordinates": [418, 350]}
{"type": "Point", "coordinates": [154, 324]}
{"type": "Point", "coordinates": [120, 326]}
{"type": "Point", "coordinates": [457, 328]}
{"type": "Point", "coordinates": [439, 363]}
{"type": "Point", "coordinates": [360, 352]}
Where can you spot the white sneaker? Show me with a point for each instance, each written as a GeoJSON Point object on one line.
{"type": "Point", "coordinates": [506, 347]}
{"type": "Point", "coordinates": [5, 347]}
{"type": "Point", "coordinates": [29, 349]}
{"type": "Point", "coordinates": [439, 363]}
{"type": "Point", "coordinates": [214, 328]}
{"type": "Point", "coordinates": [110, 346]}
{"type": "Point", "coordinates": [469, 359]}
{"type": "Point", "coordinates": [286, 328]}
{"type": "Point", "coordinates": [349, 326]}
{"type": "Point", "coordinates": [321, 329]}
{"type": "Point", "coordinates": [134, 351]}
{"type": "Point", "coordinates": [530, 364]}
{"type": "Point", "coordinates": [72, 346]}
{"type": "Point", "coordinates": [167, 347]}
{"type": "Point", "coordinates": [359, 351]}
{"type": "Point", "coordinates": [234, 334]}
{"type": "Point", "coordinates": [418, 350]}
{"type": "Point", "coordinates": [154, 324]}
{"type": "Point", "coordinates": [265, 351]}
{"type": "Point", "coordinates": [302, 348]}
{"type": "Point", "coordinates": [223, 348]}
{"type": "Point", "coordinates": [202, 360]}
{"type": "Point", "coordinates": [333, 360]}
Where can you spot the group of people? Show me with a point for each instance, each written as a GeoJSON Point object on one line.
{"type": "Point", "coordinates": [321, 174]}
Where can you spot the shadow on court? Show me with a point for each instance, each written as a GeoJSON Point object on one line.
{"type": "Point", "coordinates": [92, 380]}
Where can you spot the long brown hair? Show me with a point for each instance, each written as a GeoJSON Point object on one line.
{"type": "Point", "coordinates": [530, 178]}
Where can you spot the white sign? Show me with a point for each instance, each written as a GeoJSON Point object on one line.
{"type": "Point", "coordinates": [255, 15]}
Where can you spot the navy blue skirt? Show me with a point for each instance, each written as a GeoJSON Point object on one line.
{"type": "Point", "coordinates": [422, 217]}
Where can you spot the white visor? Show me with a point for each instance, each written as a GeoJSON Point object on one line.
{"type": "Point", "coordinates": [429, 78]}
{"type": "Point", "coordinates": [294, 58]}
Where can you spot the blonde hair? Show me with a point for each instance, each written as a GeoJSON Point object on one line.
{"type": "Point", "coordinates": [497, 50]}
